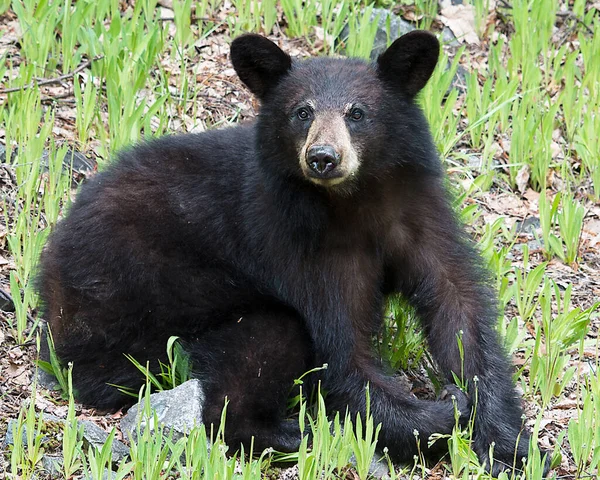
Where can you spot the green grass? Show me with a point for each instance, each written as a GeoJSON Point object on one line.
{"type": "Point", "coordinates": [530, 111]}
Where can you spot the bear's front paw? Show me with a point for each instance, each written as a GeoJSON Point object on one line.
{"type": "Point", "coordinates": [462, 401]}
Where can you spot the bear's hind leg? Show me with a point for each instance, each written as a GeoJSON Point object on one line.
{"type": "Point", "coordinates": [100, 365]}
{"type": "Point", "coordinates": [252, 362]}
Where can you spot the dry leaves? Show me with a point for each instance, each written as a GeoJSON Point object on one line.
{"type": "Point", "coordinates": [461, 20]}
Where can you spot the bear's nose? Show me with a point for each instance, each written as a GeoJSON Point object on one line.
{"type": "Point", "coordinates": [322, 159]}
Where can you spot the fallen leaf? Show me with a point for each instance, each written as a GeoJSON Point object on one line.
{"type": "Point", "coordinates": [522, 178]}
{"type": "Point", "coordinates": [461, 20]}
{"type": "Point", "coordinates": [22, 379]}
{"type": "Point", "coordinates": [507, 204]}
{"type": "Point", "coordinates": [567, 404]}
{"type": "Point", "coordinates": [15, 370]}
{"type": "Point", "coordinates": [592, 226]}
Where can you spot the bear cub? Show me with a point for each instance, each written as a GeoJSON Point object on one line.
{"type": "Point", "coordinates": [270, 248]}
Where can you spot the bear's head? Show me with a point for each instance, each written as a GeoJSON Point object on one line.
{"type": "Point", "coordinates": [338, 122]}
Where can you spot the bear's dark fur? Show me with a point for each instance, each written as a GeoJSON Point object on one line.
{"type": "Point", "coordinates": [270, 248]}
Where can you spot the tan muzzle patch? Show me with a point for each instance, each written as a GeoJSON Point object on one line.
{"type": "Point", "coordinates": [329, 129]}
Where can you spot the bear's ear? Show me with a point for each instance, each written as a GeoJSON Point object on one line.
{"type": "Point", "coordinates": [409, 61]}
{"type": "Point", "coordinates": [259, 63]}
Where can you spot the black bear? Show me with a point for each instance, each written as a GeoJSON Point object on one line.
{"type": "Point", "coordinates": [270, 248]}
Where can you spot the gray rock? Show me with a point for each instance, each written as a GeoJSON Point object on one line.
{"type": "Point", "coordinates": [448, 38]}
{"type": "Point", "coordinates": [398, 27]}
{"type": "Point", "coordinates": [6, 302]}
{"type": "Point", "coordinates": [45, 380]}
{"type": "Point", "coordinates": [52, 465]}
{"type": "Point", "coordinates": [378, 468]}
{"type": "Point", "coordinates": [528, 226]}
{"type": "Point", "coordinates": [289, 473]}
{"type": "Point", "coordinates": [107, 475]}
{"type": "Point", "coordinates": [179, 410]}
{"type": "Point", "coordinates": [9, 439]}
{"type": "Point", "coordinates": [532, 245]}
{"type": "Point", "coordinates": [96, 436]}
{"type": "Point", "coordinates": [92, 435]}
{"type": "Point", "coordinates": [460, 79]}
{"type": "Point", "coordinates": [535, 245]}
{"type": "Point", "coordinates": [474, 161]}
{"type": "Point", "coordinates": [74, 160]}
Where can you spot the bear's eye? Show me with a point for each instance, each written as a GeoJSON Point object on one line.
{"type": "Point", "coordinates": [303, 113]}
{"type": "Point", "coordinates": [357, 114]}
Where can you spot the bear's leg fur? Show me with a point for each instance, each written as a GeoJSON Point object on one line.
{"type": "Point", "coordinates": [99, 364]}
{"type": "Point", "coordinates": [456, 305]}
{"type": "Point", "coordinates": [252, 361]}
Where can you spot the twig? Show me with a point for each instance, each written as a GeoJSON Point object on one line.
{"type": "Point", "coordinates": [54, 98]}
{"type": "Point", "coordinates": [49, 81]}
{"type": "Point", "coordinates": [11, 174]}
{"type": "Point", "coordinates": [572, 16]}
{"type": "Point", "coordinates": [193, 18]}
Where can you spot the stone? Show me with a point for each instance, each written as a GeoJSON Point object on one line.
{"type": "Point", "coordinates": [73, 160]}
{"type": "Point", "coordinates": [9, 439]}
{"type": "Point", "coordinates": [6, 302]}
{"type": "Point", "coordinates": [45, 380]}
{"type": "Point", "coordinates": [398, 27]}
{"type": "Point", "coordinates": [52, 465]}
{"type": "Point", "coordinates": [529, 225]}
{"type": "Point", "coordinates": [96, 436]}
{"type": "Point", "coordinates": [448, 38]}
{"type": "Point", "coordinates": [378, 468]}
{"type": "Point", "coordinates": [92, 435]}
{"type": "Point", "coordinates": [107, 475]}
{"type": "Point", "coordinates": [179, 410]}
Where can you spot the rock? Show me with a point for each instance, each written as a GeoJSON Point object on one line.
{"type": "Point", "coordinates": [378, 468]}
{"type": "Point", "coordinates": [474, 161]}
{"type": "Point", "coordinates": [107, 475]}
{"type": "Point", "coordinates": [448, 38]}
{"type": "Point", "coordinates": [179, 410]}
{"type": "Point", "coordinates": [92, 435]}
{"type": "Point", "coordinates": [535, 245]}
{"type": "Point", "coordinates": [528, 226]}
{"type": "Point", "coordinates": [73, 160]}
{"type": "Point", "coordinates": [290, 473]}
{"type": "Point", "coordinates": [45, 380]}
{"type": "Point", "coordinates": [460, 79]}
{"type": "Point", "coordinates": [96, 436]}
{"type": "Point", "coordinates": [9, 439]}
{"type": "Point", "coordinates": [52, 465]}
{"type": "Point", "coordinates": [398, 27]}
{"type": "Point", "coordinates": [6, 302]}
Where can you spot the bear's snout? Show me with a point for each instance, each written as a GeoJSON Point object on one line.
{"type": "Point", "coordinates": [322, 160]}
